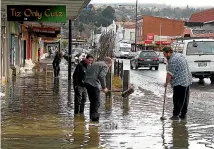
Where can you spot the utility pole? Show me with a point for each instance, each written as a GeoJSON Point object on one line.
{"type": "Point", "coordinates": [136, 27]}
{"type": "Point", "coordinates": [69, 49]}
{"type": "Point", "coordinates": [160, 34]}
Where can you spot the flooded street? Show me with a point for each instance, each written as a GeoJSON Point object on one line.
{"type": "Point", "coordinates": [38, 113]}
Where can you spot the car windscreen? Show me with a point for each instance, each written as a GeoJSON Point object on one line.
{"type": "Point", "coordinates": [125, 49]}
{"type": "Point", "coordinates": [200, 48]}
{"type": "Point", "coordinates": [148, 54]}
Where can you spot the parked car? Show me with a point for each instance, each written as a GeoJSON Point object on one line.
{"type": "Point", "coordinates": [200, 55]}
{"type": "Point", "coordinates": [145, 59]}
{"type": "Point", "coordinates": [162, 59]}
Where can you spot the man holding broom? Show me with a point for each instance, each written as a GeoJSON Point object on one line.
{"type": "Point", "coordinates": [180, 77]}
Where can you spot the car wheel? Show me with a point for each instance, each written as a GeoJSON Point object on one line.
{"type": "Point", "coordinates": [131, 67]}
{"type": "Point", "coordinates": [201, 79]}
{"type": "Point", "coordinates": [134, 65]}
{"type": "Point", "coordinates": [156, 67]}
{"type": "Point", "coordinates": [212, 79]}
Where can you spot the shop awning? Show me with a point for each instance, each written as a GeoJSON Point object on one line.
{"type": "Point", "coordinates": [163, 42]}
{"type": "Point", "coordinates": [73, 7]}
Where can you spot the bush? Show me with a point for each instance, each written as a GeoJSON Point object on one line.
{"type": "Point", "coordinates": [116, 83]}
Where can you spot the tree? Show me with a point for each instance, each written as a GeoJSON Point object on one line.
{"type": "Point", "coordinates": [107, 43]}
{"type": "Point", "coordinates": [81, 27]}
{"type": "Point", "coordinates": [105, 17]}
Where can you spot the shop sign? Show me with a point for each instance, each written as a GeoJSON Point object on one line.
{"type": "Point", "coordinates": [163, 42]}
{"type": "Point", "coordinates": [150, 36]}
{"type": "Point", "coordinates": [36, 13]}
{"type": "Point", "coordinates": [148, 42]}
{"type": "Point", "coordinates": [43, 30]}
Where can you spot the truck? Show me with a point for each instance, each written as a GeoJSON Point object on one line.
{"type": "Point", "coordinates": [122, 50]}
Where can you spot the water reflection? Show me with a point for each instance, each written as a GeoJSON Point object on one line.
{"type": "Point", "coordinates": [79, 131]}
{"type": "Point", "coordinates": [56, 86]}
{"type": "Point", "coordinates": [85, 134]}
{"type": "Point", "coordinates": [125, 106]}
{"type": "Point", "coordinates": [93, 136]}
{"type": "Point", "coordinates": [69, 94]}
{"type": "Point", "coordinates": [179, 135]}
{"type": "Point", "coordinates": [36, 116]}
{"type": "Point", "coordinates": [108, 104]}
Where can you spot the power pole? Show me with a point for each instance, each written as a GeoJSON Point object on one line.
{"type": "Point", "coordinates": [136, 27]}
{"type": "Point", "coordinates": [69, 49]}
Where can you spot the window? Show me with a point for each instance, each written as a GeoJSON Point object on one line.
{"type": "Point", "coordinates": [200, 48]}
{"type": "Point", "coordinates": [148, 54]}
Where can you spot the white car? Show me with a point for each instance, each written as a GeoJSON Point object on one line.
{"type": "Point", "coordinates": [82, 56]}
{"type": "Point", "coordinates": [200, 57]}
{"type": "Point", "coordinates": [161, 57]}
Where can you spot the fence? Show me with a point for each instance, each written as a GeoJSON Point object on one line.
{"type": "Point", "coordinates": [118, 68]}
{"type": "Point", "coordinates": [120, 72]}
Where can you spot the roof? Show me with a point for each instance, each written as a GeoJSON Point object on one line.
{"type": "Point", "coordinates": [190, 40]}
{"type": "Point", "coordinates": [125, 23]}
{"type": "Point", "coordinates": [129, 26]}
{"type": "Point", "coordinates": [73, 7]}
{"type": "Point", "coordinates": [203, 16]}
{"type": "Point", "coordinates": [163, 18]}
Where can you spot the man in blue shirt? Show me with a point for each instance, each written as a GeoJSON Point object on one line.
{"type": "Point", "coordinates": [180, 77]}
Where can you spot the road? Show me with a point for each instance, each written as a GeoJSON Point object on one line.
{"type": "Point", "coordinates": [38, 112]}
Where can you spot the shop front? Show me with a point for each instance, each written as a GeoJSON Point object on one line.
{"type": "Point", "coordinates": [15, 44]}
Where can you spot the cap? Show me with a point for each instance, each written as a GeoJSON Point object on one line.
{"type": "Point", "coordinates": [167, 49]}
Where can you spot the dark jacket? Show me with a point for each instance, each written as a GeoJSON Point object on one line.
{"type": "Point", "coordinates": [57, 60]}
{"type": "Point", "coordinates": [79, 74]}
{"type": "Point", "coordinates": [96, 74]}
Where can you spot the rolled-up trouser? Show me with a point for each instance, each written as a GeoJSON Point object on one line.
{"type": "Point", "coordinates": [180, 100]}
{"type": "Point", "coordinates": [56, 70]}
{"type": "Point", "coordinates": [94, 98]}
{"type": "Point", "coordinates": [79, 99]}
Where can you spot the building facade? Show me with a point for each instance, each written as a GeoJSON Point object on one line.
{"type": "Point", "coordinates": [200, 24]}
{"type": "Point", "coordinates": [161, 28]}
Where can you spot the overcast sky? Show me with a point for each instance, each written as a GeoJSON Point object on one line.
{"type": "Point", "coordinates": [196, 3]}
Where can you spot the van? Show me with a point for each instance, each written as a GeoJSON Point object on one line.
{"type": "Point", "coordinates": [200, 57]}
{"type": "Point", "coordinates": [123, 50]}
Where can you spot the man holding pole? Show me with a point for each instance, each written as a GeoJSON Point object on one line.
{"type": "Point", "coordinates": [180, 77]}
{"type": "Point", "coordinates": [96, 77]}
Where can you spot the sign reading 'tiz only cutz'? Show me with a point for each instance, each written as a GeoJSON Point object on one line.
{"type": "Point", "coordinates": [38, 13]}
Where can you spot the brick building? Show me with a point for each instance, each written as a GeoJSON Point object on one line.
{"type": "Point", "coordinates": [200, 24]}
{"type": "Point", "coordinates": [206, 17]}
{"type": "Point", "coordinates": [159, 27]}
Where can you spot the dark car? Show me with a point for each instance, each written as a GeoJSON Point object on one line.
{"type": "Point", "coordinates": [147, 58]}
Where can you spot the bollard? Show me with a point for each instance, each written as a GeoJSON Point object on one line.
{"type": "Point", "coordinates": [118, 68]}
{"type": "Point", "coordinates": [115, 67]}
{"type": "Point", "coordinates": [126, 79]}
{"type": "Point", "coordinates": [109, 83]}
{"type": "Point", "coordinates": [121, 70]}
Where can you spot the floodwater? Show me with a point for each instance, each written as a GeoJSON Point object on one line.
{"type": "Point", "coordinates": [37, 113]}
